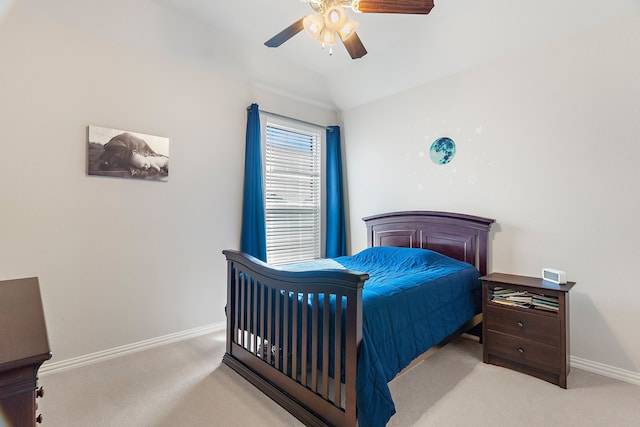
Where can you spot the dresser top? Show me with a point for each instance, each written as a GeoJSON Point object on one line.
{"type": "Point", "coordinates": [23, 333]}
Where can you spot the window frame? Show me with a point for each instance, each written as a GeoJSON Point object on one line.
{"type": "Point", "coordinates": [296, 125]}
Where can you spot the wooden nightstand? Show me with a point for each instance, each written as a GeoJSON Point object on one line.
{"type": "Point", "coordinates": [526, 325]}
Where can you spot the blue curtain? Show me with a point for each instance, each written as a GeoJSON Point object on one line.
{"type": "Point", "coordinates": [253, 234]}
{"type": "Point", "coordinates": [336, 244]}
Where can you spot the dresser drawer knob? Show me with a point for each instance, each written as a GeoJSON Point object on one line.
{"type": "Point", "coordinates": [520, 325]}
{"type": "Point", "coordinates": [40, 392]}
{"type": "Point", "coordinates": [39, 419]}
{"type": "Point", "coordinates": [520, 350]}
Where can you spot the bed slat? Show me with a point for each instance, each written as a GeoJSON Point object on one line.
{"type": "Point", "coordinates": [337, 385]}
{"type": "Point", "coordinates": [294, 337]}
{"type": "Point", "coordinates": [314, 343]}
{"type": "Point", "coordinates": [325, 345]}
{"type": "Point", "coordinates": [305, 340]}
{"type": "Point", "coordinates": [276, 341]}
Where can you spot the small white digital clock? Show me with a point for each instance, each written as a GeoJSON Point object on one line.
{"type": "Point", "coordinates": [553, 275]}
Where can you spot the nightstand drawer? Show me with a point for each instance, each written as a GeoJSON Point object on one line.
{"type": "Point", "coordinates": [531, 353]}
{"type": "Point", "coordinates": [532, 326]}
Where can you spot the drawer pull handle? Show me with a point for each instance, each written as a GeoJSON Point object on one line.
{"type": "Point", "coordinates": [520, 350]}
{"type": "Point", "coordinates": [520, 325]}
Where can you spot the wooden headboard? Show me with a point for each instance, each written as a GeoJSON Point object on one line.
{"type": "Point", "coordinates": [459, 236]}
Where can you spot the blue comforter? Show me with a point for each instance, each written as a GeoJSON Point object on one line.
{"type": "Point", "coordinates": [413, 299]}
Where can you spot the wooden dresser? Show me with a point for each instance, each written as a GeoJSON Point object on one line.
{"type": "Point", "coordinates": [23, 348]}
{"type": "Point", "coordinates": [526, 325]}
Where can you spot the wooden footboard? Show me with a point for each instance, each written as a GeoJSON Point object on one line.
{"type": "Point", "coordinates": [295, 336]}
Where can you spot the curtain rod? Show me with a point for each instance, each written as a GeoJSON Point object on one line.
{"type": "Point", "coordinates": [294, 119]}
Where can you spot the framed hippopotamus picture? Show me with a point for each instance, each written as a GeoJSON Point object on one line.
{"type": "Point", "coordinates": [125, 154]}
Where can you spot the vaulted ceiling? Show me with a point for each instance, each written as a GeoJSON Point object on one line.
{"type": "Point", "coordinates": [406, 50]}
{"type": "Point", "coordinates": [403, 50]}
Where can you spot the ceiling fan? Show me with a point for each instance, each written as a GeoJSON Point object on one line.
{"type": "Point", "coordinates": [331, 21]}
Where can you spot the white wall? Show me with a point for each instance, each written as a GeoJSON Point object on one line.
{"type": "Point", "coordinates": [548, 146]}
{"type": "Point", "coordinates": [122, 261]}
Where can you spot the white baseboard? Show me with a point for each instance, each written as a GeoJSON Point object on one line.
{"type": "Point", "coordinates": [63, 365]}
{"type": "Point", "coordinates": [605, 370]}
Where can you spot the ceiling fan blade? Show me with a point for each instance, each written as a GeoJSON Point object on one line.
{"type": "Point", "coordinates": [285, 34]}
{"type": "Point", "coordinates": [354, 46]}
{"type": "Point", "coordinates": [413, 7]}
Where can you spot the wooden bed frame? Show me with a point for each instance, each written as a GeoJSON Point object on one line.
{"type": "Point", "coordinates": [292, 372]}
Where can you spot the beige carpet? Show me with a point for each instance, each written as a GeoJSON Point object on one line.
{"type": "Point", "coordinates": [184, 384]}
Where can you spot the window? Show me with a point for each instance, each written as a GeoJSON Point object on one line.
{"type": "Point", "coordinates": [292, 160]}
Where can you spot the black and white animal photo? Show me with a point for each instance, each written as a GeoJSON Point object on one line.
{"type": "Point", "coordinates": [123, 154]}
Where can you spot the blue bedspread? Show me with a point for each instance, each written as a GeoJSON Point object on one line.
{"type": "Point", "coordinates": [413, 299]}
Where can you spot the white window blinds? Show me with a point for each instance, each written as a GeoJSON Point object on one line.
{"type": "Point", "coordinates": [292, 193]}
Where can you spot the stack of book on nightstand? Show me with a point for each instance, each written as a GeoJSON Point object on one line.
{"type": "Point", "coordinates": [544, 302]}
{"type": "Point", "coordinates": [523, 299]}
{"type": "Point", "coordinates": [511, 297]}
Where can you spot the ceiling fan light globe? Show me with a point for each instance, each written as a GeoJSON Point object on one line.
{"type": "Point", "coordinates": [313, 25]}
{"type": "Point", "coordinates": [348, 29]}
{"type": "Point", "coordinates": [335, 17]}
{"type": "Point", "coordinates": [328, 37]}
